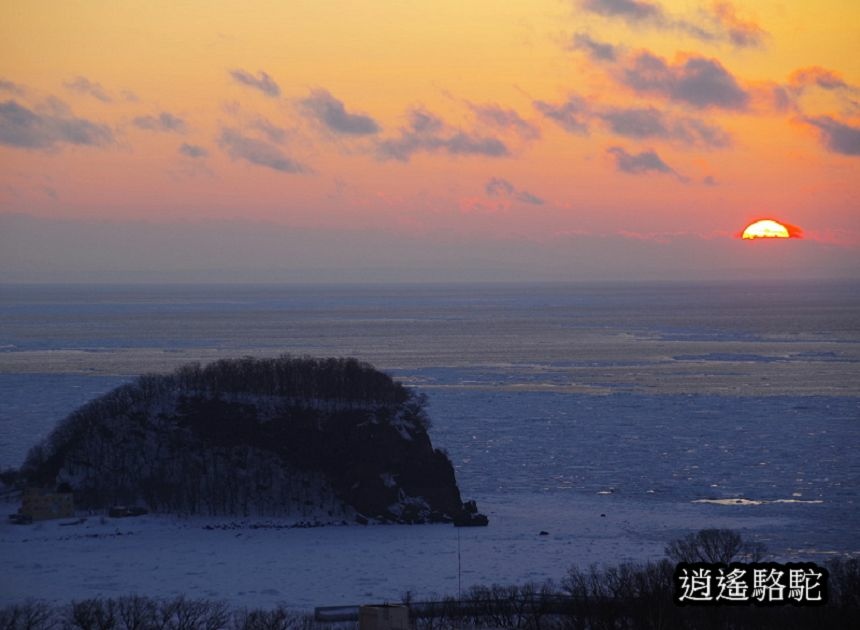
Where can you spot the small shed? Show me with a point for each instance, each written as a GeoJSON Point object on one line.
{"type": "Point", "coordinates": [383, 617]}
{"type": "Point", "coordinates": [40, 504]}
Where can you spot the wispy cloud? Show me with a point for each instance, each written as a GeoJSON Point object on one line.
{"type": "Point", "coordinates": [837, 136]}
{"type": "Point", "coordinates": [571, 115]}
{"type": "Point", "coordinates": [649, 122]}
{"type": "Point", "coordinates": [193, 151]}
{"type": "Point", "coordinates": [422, 121]}
{"type": "Point", "coordinates": [24, 128]}
{"type": "Point", "coordinates": [262, 82]}
{"type": "Point", "coordinates": [629, 9]}
{"type": "Point", "coordinates": [85, 86]}
{"type": "Point", "coordinates": [504, 119]}
{"type": "Point", "coordinates": [11, 87]}
{"type": "Point", "coordinates": [405, 146]}
{"type": "Point", "coordinates": [819, 77]}
{"type": "Point", "coordinates": [497, 187]}
{"type": "Point", "coordinates": [332, 113]}
{"type": "Point", "coordinates": [597, 50]}
{"type": "Point", "coordinates": [259, 152]}
{"type": "Point", "coordinates": [165, 122]}
{"type": "Point", "coordinates": [576, 115]}
{"type": "Point", "coordinates": [694, 80]}
{"type": "Point", "coordinates": [427, 133]}
{"type": "Point", "coordinates": [804, 80]}
{"type": "Point", "coordinates": [464, 143]}
{"type": "Point", "coordinates": [720, 22]}
{"type": "Point", "coordinates": [640, 163]}
{"type": "Point", "coordinates": [272, 132]}
{"type": "Point", "coordinates": [740, 32]}
{"type": "Point", "coordinates": [636, 122]}
{"type": "Point", "coordinates": [250, 120]}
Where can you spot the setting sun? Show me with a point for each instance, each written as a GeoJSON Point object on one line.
{"type": "Point", "coordinates": [768, 228]}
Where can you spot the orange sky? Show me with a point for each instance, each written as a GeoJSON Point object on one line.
{"type": "Point", "coordinates": [524, 120]}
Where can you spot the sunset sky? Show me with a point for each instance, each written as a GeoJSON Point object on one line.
{"type": "Point", "coordinates": [318, 140]}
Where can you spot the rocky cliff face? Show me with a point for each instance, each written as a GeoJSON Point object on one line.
{"type": "Point", "coordinates": [333, 439]}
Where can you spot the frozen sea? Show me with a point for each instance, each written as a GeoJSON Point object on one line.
{"type": "Point", "coordinates": [613, 417]}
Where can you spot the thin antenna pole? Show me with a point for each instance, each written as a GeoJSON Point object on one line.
{"type": "Point", "coordinates": [459, 565]}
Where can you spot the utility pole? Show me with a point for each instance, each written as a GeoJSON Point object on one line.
{"type": "Point", "coordinates": [458, 565]}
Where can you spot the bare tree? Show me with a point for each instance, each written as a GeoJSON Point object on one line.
{"type": "Point", "coordinates": [714, 546]}
{"type": "Point", "coordinates": [27, 616]}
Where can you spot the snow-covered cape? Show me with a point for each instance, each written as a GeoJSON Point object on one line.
{"type": "Point", "coordinates": [332, 439]}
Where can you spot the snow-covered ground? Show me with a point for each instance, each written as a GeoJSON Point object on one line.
{"type": "Point", "coordinates": [263, 563]}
